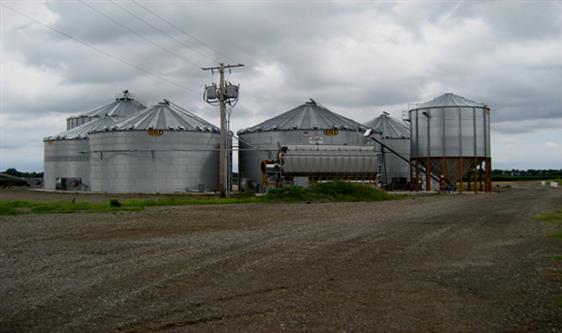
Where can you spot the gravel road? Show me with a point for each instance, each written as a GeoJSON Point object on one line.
{"type": "Point", "coordinates": [447, 263]}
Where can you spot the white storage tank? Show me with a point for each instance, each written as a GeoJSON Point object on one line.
{"type": "Point", "coordinates": [66, 159]}
{"type": "Point", "coordinates": [164, 149]}
{"type": "Point", "coordinates": [396, 135]}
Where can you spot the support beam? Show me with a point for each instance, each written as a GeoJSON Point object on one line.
{"type": "Point", "coordinates": [461, 174]}
{"type": "Point", "coordinates": [475, 175]}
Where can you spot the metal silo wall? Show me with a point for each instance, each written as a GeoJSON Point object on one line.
{"type": "Point", "coordinates": [395, 166]}
{"type": "Point", "coordinates": [77, 121]}
{"type": "Point", "coordinates": [453, 139]}
{"type": "Point", "coordinates": [133, 161]}
{"type": "Point", "coordinates": [66, 159]}
{"type": "Point", "coordinates": [258, 146]}
{"type": "Point", "coordinates": [450, 132]}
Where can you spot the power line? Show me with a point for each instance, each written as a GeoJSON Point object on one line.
{"type": "Point", "coordinates": [183, 31]}
{"type": "Point", "coordinates": [107, 54]}
{"type": "Point", "coordinates": [136, 33]}
{"type": "Point", "coordinates": [204, 55]}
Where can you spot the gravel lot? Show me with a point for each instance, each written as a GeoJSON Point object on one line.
{"type": "Point", "coordinates": [448, 263]}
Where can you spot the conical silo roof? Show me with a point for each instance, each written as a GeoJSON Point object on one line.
{"type": "Point", "coordinates": [166, 116]}
{"type": "Point", "coordinates": [81, 132]}
{"type": "Point", "coordinates": [389, 127]}
{"type": "Point", "coordinates": [449, 100]}
{"type": "Point", "coordinates": [307, 116]}
{"type": "Point", "coordinates": [122, 106]}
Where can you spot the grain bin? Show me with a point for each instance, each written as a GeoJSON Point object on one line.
{"type": "Point", "coordinates": [163, 149]}
{"type": "Point", "coordinates": [66, 161]}
{"type": "Point", "coordinates": [450, 136]}
{"type": "Point", "coordinates": [123, 106]}
{"type": "Point", "coordinates": [308, 124]}
{"type": "Point", "coordinates": [396, 135]}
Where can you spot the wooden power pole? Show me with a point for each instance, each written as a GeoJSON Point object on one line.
{"type": "Point", "coordinates": [223, 98]}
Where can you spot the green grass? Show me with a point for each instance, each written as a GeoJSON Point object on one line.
{"type": "Point", "coordinates": [11, 207]}
{"type": "Point", "coordinates": [557, 234]}
{"type": "Point", "coordinates": [498, 178]}
{"type": "Point", "coordinates": [323, 192]}
{"type": "Point", "coordinates": [15, 207]}
{"type": "Point", "coordinates": [188, 201]}
{"type": "Point", "coordinates": [554, 217]}
{"type": "Point", "coordinates": [328, 192]}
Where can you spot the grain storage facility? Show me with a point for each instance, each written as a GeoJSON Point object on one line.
{"type": "Point", "coordinates": [66, 159]}
{"type": "Point", "coordinates": [163, 149]}
{"type": "Point", "coordinates": [308, 141]}
{"type": "Point", "coordinates": [450, 136]}
{"type": "Point", "coordinates": [123, 106]}
{"type": "Point", "coordinates": [395, 173]}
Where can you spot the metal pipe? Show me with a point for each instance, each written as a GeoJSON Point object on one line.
{"type": "Point", "coordinates": [400, 156]}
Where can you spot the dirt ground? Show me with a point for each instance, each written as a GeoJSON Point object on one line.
{"type": "Point", "coordinates": [447, 263]}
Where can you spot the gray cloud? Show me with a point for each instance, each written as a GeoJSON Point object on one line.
{"type": "Point", "coordinates": [356, 58]}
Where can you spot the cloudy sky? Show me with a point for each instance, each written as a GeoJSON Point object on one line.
{"type": "Point", "coordinates": [357, 58]}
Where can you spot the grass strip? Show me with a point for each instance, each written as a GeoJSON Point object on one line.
{"type": "Point", "coordinates": [553, 217]}
{"type": "Point", "coordinates": [557, 234]}
{"type": "Point", "coordinates": [328, 192]}
{"type": "Point", "coordinates": [322, 192]}
{"type": "Point", "coordinates": [13, 207]}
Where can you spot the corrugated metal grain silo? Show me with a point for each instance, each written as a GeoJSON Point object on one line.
{"type": "Point", "coordinates": [123, 106]}
{"type": "Point", "coordinates": [308, 124]}
{"type": "Point", "coordinates": [396, 135]}
{"type": "Point", "coordinates": [66, 160]}
{"type": "Point", "coordinates": [163, 149]}
{"type": "Point", "coordinates": [450, 136]}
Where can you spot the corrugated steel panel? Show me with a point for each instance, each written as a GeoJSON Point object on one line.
{"type": "Point", "coordinates": [389, 127]}
{"type": "Point", "coordinates": [450, 131]}
{"type": "Point", "coordinates": [166, 116]}
{"type": "Point", "coordinates": [135, 161]}
{"type": "Point", "coordinates": [82, 131]}
{"type": "Point", "coordinates": [330, 160]}
{"type": "Point", "coordinates": [66, 159]}
{"type": "Point", "coordinates": [258, 146]}
{"type": "Point", "coordinates": [309, 115]}
{"type": "Point", "coordinates": [449, 100]}
{"type": "Point", "coordinates": [123, 106]}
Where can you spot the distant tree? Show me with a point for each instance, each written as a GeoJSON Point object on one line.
{"type": "Point", "coordinates": [16, 173]}
{"type": "Point", "coordinates": [13, 172]}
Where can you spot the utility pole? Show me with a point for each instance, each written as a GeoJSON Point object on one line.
{"type": "Point", "coordinates": [223, 95]}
